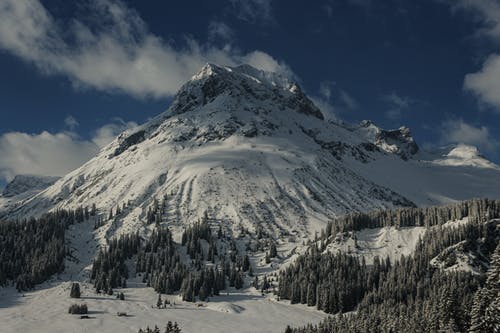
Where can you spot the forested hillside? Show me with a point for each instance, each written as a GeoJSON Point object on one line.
{"type": "Point", "coordinates": [410, 294]}
{"type": "Point", "coordinates": [213, 260]}
{"type": "Point", "coordinates": [33, 250]}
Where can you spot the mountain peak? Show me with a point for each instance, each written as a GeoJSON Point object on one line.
{"type": "Point", "coordinates": [207, 70]}
{"type": "Point", "coordinates": [464, 155]}
{"type": "Point", "coordinates": [242, 87]}
{"type": "Point", "coordinates": [397, 141]}
{"type": "Point", "coordinates": [245, 71]}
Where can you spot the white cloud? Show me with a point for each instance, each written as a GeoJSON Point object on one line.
{"type": "Point", "coordinates": [458, 131]}
{"type": "Point", "coordinates": [52, 154]}
{"type": "Point", "coordinates": [42, 154]}
{"type": "Point", "coordinates": [264, 61]}
{"type": "Point", "coordinates": [485, 83]}
{"type": "Point", "coordinates": [253, 11]}
{"type": "Point", "coordinates": [107, 133]}
{"type": "Point", "coordinates": [116, 52]}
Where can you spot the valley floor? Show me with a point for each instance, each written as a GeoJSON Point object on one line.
{"type": "Point", "coordinates": [46, 310]}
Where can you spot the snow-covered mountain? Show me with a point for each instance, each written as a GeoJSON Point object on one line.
{"type": "Point", "coordinates": [27, 183]}
{"type": "Point", "coordinates": [249, 148]}
{"type": "Point", "coordinates": [23, 187]}
{"type": "Point", "coordinates": [463, 155]}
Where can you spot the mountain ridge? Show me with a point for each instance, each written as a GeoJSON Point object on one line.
{"type": "Point", "coordinates": [251, 149]}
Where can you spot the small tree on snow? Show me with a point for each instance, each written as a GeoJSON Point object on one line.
{"type": "Point", "coordinates": [75, 290]}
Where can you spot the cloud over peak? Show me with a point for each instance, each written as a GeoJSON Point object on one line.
{"type": "Point", "coordinates": [458, 131]}
{"type": "Point", "coordinates": [116, 53]}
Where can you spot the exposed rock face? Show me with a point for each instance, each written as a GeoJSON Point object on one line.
{"type": "Point", "coordinates": [398, 141]}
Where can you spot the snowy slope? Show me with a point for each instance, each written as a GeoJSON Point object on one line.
{"type": "Point", "coordinates": [387, 242]}
{"type": "Point", "coordinates": [243, 312]}
{"type": "Point", "coordinates": [251, 149]}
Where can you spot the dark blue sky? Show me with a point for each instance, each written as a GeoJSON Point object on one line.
{"type": "Point", "coordinates": [395, 62]}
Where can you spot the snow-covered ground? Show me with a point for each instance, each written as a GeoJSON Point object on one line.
{"type": "Point", "coordinates": [381, 242]}
{"type": "Point", "coordinates": [46, 310]}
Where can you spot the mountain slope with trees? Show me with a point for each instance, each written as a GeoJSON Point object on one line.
{"type": "Point", "coordinates": [409, 294]}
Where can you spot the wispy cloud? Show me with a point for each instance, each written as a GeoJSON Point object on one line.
{"type": "Point", "coordinates": [253, 11]}
{"type": "Point", "coordinates": [397, 105]}
{"type": "Point", "coordinates": [220, 31]}
{"type": "Point", "coordinates": [53, 154]}
{"type": "Point", "coordinates": [458, 131]}
{"type": "Point", "coordinates": [71, 122]}
{"type": "Point", "coordinates": [333, 100]}
{"type": "Point", "coordinates": [487, 13]}
{"type": "Point", "coordinates": [116, 53]}
{"type": "Point", "coordinates": [107, 133]}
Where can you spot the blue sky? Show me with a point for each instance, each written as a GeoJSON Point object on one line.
{"type": "Point", "coordinates": [75, 74]}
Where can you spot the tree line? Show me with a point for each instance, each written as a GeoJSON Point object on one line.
{"type": "Point", "coordinates": [411, 217]}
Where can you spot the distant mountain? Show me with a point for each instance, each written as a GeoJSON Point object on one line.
{"type": "Point", "coordinates": [27, 183]}
{"type": "Point", "coordinates": [463, 155]}
{"type": "Point", "coordinates": [251, 149]}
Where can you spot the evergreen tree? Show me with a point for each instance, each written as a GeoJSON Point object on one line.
{"type": "Point", "coordinates": [159, 302]}
{"type": "Point", "coordinates": [273, 252]}
{"type": "Point", "coordinates": [75, 290]}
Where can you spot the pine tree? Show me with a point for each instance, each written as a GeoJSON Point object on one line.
{"type": "Point", "coordinates": [75, 290]}
{"type": "Point", "coordinates": [273, 252]}
{"type": "Point", "coordinates": [492, 311]}
{"type": "Point", "coordinates": [246, 263]}
{"type": "Point", "coordinates": [159, 302]}
{"type": "Point", "coordinates": [255, 283]}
